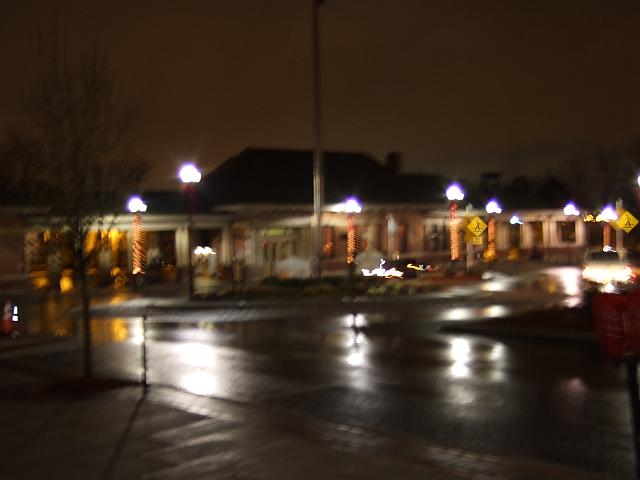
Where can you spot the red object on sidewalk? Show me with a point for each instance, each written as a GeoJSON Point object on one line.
{"type": "Point", "coordinates": [609, 310]}
{"type": "Point", "coordinates": [7, 324]}
{"type": "Point", "coordinates": [632, 321]}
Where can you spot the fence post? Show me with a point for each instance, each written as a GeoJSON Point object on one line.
{"type": "Point", "coordinates": [145, 383]}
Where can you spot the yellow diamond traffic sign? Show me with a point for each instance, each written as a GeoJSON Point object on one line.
{"type": "Point", "coordinates": [476, 226]}
{"type": "Point", "coordinates": [626, 221]}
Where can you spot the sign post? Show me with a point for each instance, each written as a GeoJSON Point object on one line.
{"type": "Point", "coordinates": [475, 228]}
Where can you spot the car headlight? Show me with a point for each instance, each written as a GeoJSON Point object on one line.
{"type": "Point", "coordinates": [624, 275]}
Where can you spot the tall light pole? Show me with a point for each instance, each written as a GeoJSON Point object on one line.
{"type": "Point", "coordinates": [190, 176]}
{"type": "Point", "coordinates": [492, 208]}
{"type": "Point", "coordinates": [318, 172]}
{"type": "Point", "coordinates": [136, 207]}
{"type": "Point", "coordinates": [454, 195]}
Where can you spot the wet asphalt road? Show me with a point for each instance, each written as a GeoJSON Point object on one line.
{"type": "Point", "coordinates": [559, 401]}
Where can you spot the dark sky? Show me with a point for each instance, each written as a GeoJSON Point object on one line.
{"type": "Point", "coordinates": [456, 87]}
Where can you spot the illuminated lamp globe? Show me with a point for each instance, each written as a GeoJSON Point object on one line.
{"type": "Point", "coordinates": [454, 192]}
{"type": "Point", "coordinates": [493, 207]}
{"type": "Point", "coordinates": [136, 205]}
{"type": "Point", "coordinates": [608, 214]}
{"type": "Point", "coordinates": [571, 210]}
{"type": "Point", "coordinates": [351, 205]}
{"type": "Point", "coordinates": [189, 173]}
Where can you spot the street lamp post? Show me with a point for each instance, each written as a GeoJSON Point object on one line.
{"type": "Point", "coordinates": [454, 195]}
{"type": "Point", "coordinates": [136, 207]}
{"type": "Point", "coordinates": [190, 177]}
{"type": "Point", "coordinates": [318, 171]}
{"type": "Point", "coordinates": [492, 208]}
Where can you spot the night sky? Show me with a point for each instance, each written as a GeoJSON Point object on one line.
{"type": "Point", "coordinates": [457, 87]}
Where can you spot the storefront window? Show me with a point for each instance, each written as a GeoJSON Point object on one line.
{"type": "Point", "coordinates": [328, 242]}
{"type": "Point", "coordinates": [536, 233]}
{"type": "Point", "coordinates": [567, 231]}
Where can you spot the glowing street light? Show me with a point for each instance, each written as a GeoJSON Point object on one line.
{"type": "Point", "coordinates": [190, 176]}
{"type": "Point", "coordinates": [351, 205]}
{"type": "Point", "coordinates": [492, 208]}
{"type": "Point", "coordinates": [608, 214]}
{"type": "Point", "coordinates": [136, 206]}
{"type": "Point", "coordinates": [515, 220]}
{"type": "Point", "coordinates": [454, 194]}
{"type": "Point", "coordinates": [189, 173]}
{"type": "Point", "coordinates": [570, 210]}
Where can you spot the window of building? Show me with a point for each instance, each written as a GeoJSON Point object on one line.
{"type": "Point", "coordinates": [328, 242]}
{"type": "Point", "coordinates": [433, 239]}
{"type": "Point", "coordinates": [567, 231]}
{"type": "Point", "coordinates": [161, 248]}
{"type": "Point", "coordinates": [514, 236]}
{"type": "Point", "coordinates": [536, 233]}
{"type": "Point", "coordinates": [403, 242]}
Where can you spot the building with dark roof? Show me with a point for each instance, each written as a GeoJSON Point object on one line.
{"type": "Point", "coordinates": [285, 177]}
{"type": "Point", "coordinates": [256, 210]}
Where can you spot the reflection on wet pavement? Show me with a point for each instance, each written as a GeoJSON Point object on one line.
{"type": "Point", "coordinates": [391, 369]}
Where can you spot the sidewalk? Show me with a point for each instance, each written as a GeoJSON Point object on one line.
{"type": "Point", "coordinates": [121, 433]}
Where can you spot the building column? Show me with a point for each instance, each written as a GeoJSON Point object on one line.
{"type": "Point", "coordinates": [548, 237]}
{"type": "Point", "coordinates": [392, 229]}
{"type": "Point", "coordinates": [226, 245]}
{"type": "Point", "coordinates": [251, 249]}
{"type": "Point", "coordinates": [581, 233]}
{"type": "Point", "coordinates": [502, 235]}
{"type": "Point", "coordinates": [182, 248]}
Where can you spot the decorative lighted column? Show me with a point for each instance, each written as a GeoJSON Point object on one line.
{"type": "Point", "coordinates": [351, 207]}
{"type": "Point", "coordinates": [607, 215]}
{"type": "Point", "coordinates": [454, 195]}
{"type": "Point", "coordinates": [136, 207]}
{"type": "Point", "coordinates": [492, 208]}
{"type": "Point", "coordinates": [190, 177]}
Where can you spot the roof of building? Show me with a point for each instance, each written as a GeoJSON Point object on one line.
{"type": "Point", "coordinates": [270, 176]}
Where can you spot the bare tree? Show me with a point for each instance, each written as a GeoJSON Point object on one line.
{"type": "Point", "coordinates": [80, 125]}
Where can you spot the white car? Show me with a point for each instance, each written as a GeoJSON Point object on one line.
{"type": "Point", "coordinates": [607, 271]}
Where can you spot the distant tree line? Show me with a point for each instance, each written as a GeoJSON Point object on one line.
{"type": "Point", "coordinates": [590, 180]}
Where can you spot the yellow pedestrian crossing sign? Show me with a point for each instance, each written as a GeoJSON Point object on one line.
{"type": "Point", "coordinates": [476, 226]}
{"type": "Point", "coordinates": [626, 221]}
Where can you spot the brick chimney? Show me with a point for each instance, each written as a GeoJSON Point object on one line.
{"type": "Point", "coordinates": [393, 162]}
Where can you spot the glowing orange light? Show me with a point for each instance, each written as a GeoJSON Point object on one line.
{"type": "Point", "coordinates": [351, 239]}
{"type": "Point", "coordinates": [453, 232]}
{"type": "Point", "coordinates": [138, 245]}
{"type": "Point", "coordinates": [491, 239]}
{"type": "Point", "coordinates": [606, 236]}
